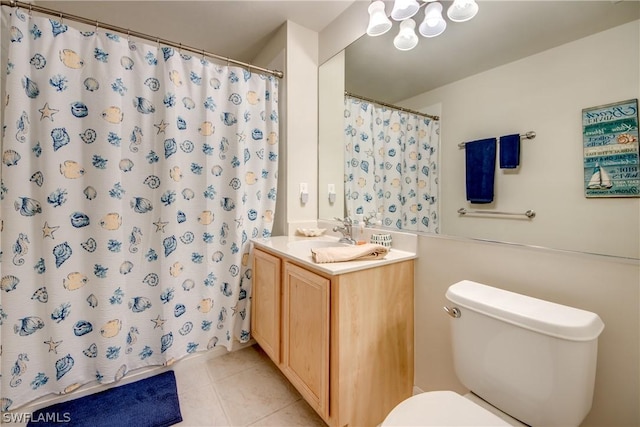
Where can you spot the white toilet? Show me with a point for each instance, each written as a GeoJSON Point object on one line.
{"type": "Point", "coordinates": [525, 360]}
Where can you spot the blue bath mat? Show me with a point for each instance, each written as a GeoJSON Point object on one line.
{"type": "Point", "coordinates": [152, 402]}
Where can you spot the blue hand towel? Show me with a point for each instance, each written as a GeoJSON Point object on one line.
{"type": "Point", "coordinates": [510, 151]}
{"type": "Point", "coordinates": [480, 163]}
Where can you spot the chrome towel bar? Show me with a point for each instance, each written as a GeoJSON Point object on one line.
{"type": "Point", "coordinates": [529, 214]}
{"type": "Point", "coordinates": [529, 135]}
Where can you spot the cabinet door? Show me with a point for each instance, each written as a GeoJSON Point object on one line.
{"type": "Point", "coordinates": [266, 303]}
{"type": "Point", "coordinates": [305, 340]}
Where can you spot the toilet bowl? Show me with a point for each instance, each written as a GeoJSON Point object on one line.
{"type": "Point", "coordinates": [447, 408]}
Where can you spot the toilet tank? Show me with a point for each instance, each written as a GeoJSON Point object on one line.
{"type": "Point", "coordinates": [532, 359]}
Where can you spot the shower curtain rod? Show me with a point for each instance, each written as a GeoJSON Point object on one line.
{"type": "Point", "coordinates": [97, 24]}
{"type": "Point", "coordinates": [395, 107]}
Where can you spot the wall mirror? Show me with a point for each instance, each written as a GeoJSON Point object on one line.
{"type": "Point", "coordinates": [516, 67]}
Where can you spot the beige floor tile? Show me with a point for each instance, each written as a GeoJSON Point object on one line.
{"type": "Point", "coordinates": [297, 414]}
{"type": "Point", "coordinates": [235, 362]}
{"type": "Point", "coordinates": [200, 406]}
{"type": "Point", "coordinates": [191, 373]}
{"type": "Point", "coordinates": [254, 393]}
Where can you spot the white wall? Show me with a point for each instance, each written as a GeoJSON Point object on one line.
{"type": "Point", "coordinates": [544, 93]}
{"type": "Point", "coordinates": [302, 123]}
{"type": "Point", "coordinates": [331, 136]}
{"type": "Point", "coordinates": [298, 161]}
{"type": "Point", "coordinates": [603, 285]}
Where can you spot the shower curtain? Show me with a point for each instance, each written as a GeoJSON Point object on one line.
{"type": "Point", "coordinates": [391, 170]}
{"type": "Point", "coordinates": [133, 177]}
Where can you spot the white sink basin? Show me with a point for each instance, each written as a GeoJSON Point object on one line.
{"type": "Point", "coordinates": [307, 245]}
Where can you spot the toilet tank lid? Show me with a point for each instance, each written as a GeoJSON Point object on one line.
{"type": "Point", "coordinates": [545, 317]}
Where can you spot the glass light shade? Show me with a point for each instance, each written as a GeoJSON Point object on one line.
{"type": "Point", "coordinates": [378, 21]}
{"type": "Point", "coordinates": [406, 38]}
{"type": "Point", "coordinates": [462, 10]}
{"type": "Point", "coordinates": [404, 9]}
{"type": "Point", "coordinates": [433, 24]}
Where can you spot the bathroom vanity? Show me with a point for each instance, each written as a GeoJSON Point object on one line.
{"type": "Point", "coordinates": [342, 333]}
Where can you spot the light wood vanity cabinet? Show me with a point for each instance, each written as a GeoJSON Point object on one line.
{"type": "Point", "coordinates": [344, 341]}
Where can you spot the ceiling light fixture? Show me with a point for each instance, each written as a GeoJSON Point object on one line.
{"type": "Point", "coordinates": [406, 38]}
{"type": "Point", "coordinates": [462, 10]}
{"type": "Point", "coordinates": [433, 24]}
{"type": "Point", "coordinates": [378, 21]}
{"type": "Point", "coordinates": [403, 10]}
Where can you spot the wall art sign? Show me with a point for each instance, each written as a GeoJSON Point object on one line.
{"type": "Point", "coordinates": [611, 155]}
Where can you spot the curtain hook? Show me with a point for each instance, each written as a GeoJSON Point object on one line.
{"type": "Point", "coordinates": [97, 25]}
{"type": "Point", "coordinates": [30, 9]}
{"type": "Point", "coordinates": [180, 49]}
{"type": "Point", "coordinates": [203, 55]}
{"type": "Point", "coordinates": [129, 35]}
{"type": "Point", "coordinates": [158, 43]}
{"type": "Point", "coordinates": [61, 19]}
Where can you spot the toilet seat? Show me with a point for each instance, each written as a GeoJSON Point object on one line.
{"type": "Point", "coordinates": [441, 408]}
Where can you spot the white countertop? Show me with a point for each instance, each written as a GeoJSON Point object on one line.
{"type": "Point", "coordinates": [281, 246]}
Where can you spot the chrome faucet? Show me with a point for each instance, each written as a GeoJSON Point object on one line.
{"type": "Point", "coordinates": [346, 230]}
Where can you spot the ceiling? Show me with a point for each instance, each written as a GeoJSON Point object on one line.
{"type": "Point", "coordinates": [502, 32]}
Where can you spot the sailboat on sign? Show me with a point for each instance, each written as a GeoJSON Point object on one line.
{"type": "Point", "coordinates": [600, 180]}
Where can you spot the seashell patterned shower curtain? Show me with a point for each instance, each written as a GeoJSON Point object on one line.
{"type": "Point", "coordinates": [133, 177]}
{"type": "Point", "coordinates": [391, 168]}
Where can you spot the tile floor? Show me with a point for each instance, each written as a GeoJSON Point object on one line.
{"type": "Point", "coordinates": [241, 388]}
